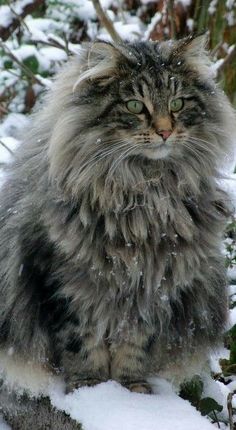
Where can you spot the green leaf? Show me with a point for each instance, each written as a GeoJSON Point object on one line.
{"type": "Point", "coordinates": [192, 390]}
{"type": "Point", "coordinates": [208, 405]}
{"type": "Point", "coordinates": [7, 64]}
{"type": "Point", "coordinates": [32, 63]}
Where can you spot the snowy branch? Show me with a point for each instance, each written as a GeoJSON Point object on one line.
{"type": "Point", "coordinates": [5, 32]}
{"type": "Point", "coordinates": [23, 67]}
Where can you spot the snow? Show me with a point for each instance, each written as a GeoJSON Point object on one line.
{"type": "Point", "coordinates": [45, 56]}
{"type": "Point", "coordinates": [20, 5]}
{"type": "Point", "coordinates": [229, 185]}
{"type": "Point", "coordinates": [232, 317]}
{"type": "Point", "coordinates": [230, 17]}
{"type": "Point", "coordinates": [86, 11]}
{"type": "Point", "coordinates": [190, 24]}
{"type": "Point", "coordinates": [212, 7]}
{"type": "Point", "coordinates": [3, 425]}
{"type": "Point", "coordinates": [109, 406]}
{"type": "Point", "coordinates": [12, 124]}
{"type": "Point", "coordinates": [7, 145]}
{"type": "Point", "coordinates": [53, 54]}
{"type": "Point", "coordinates": [185, 3]}
{"type": "Point", "coordinates": [231, 48]}
{"type": "Point", "coordinates": [6, 16]}
{"type": "Point", "coordinates": [24, 52]}
{"type": "Point", "coordinates": [230, 4]}
{"type": "Point", "coordinates": [215, 66]}
{"type": "Point", "coordinates": [232, 275]}
{"type": "Point", "coordinates": [130, 31]}
{"type": "Point", "coordinates": [145, 2]}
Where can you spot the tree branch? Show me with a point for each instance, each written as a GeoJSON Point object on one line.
{"type": "Point", "coordinates": [5, 32]}
{"type": "Point", "coordinates": [105, 21]}
{"type": "Point", "coordinates": [171, 14]}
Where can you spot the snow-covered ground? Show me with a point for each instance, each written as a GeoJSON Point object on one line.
{"type": "Point", "coordinates": [108, 406]}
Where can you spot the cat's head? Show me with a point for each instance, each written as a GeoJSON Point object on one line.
{"type": "Point", "coordinates": [144, 101]}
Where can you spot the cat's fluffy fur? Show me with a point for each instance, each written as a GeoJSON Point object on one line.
{"type": "Point", "coordinates": [110, 251]}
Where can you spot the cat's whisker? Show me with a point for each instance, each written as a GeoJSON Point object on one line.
{"type": "Point", "coordinates": [101, 155]}
{"type": "Point", "coordinates": [198, 139]}
{"type": "Point", "coordinates": [91, 163]}
{"type": "Point", "coordinates": [116, 162]}
{"type": "Point", "coordinates": [201, 147]}
{"type": "Point", "coordinates": [206, 147]}
{"type": "Point", "coordinates": [197, 154]}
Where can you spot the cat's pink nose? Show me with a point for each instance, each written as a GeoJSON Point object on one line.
{"type": "Point", "coordinates": [164, 133]}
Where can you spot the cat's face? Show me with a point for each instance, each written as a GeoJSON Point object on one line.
{"type": "Point", "coordinates": [158, 112]}
{"type": "Point", "coordinates": [154, 100]}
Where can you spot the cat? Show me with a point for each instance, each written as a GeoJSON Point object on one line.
{"type": "Point", "coordinates": [112, 217]}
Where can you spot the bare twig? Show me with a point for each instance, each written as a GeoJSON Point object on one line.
{"type": "Point", "coordinates": [55, 42]}
{"type": "Point", "coordinates": [51, 42]}
{"type": "Point", "coordinates": [106, 22]}
{"type": "Point", "coordinates": [17, 16]}
{"type": "Point", "coordinates": [3, 110]}
{"type": "Point", "coordinates": [5, 32]}
{"type": "Point", "coordinates": [23, 67]}
{"type": "Point", "coordinates": [171, 14]}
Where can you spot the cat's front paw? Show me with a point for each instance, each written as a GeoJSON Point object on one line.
{"type": "Point", "coordinates": [139, 387]}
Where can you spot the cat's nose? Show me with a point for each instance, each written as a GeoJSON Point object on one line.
{"type": "Point", "coordinates": [164, 133]}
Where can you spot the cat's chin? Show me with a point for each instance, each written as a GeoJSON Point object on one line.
{"type": "Point", "coordinates": [159, 152]}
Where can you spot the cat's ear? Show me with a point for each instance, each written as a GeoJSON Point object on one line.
{"type": "Point", "coordinates": [193, 48]}
{"type": "Point", "coordinates": [100, 63]}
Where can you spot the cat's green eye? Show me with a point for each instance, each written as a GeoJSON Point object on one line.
{"type": "Point", "coordinates": [176, 104]}
{"type": "Point", "coordinates": [135, 106]}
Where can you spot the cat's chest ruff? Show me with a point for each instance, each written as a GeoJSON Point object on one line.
{"type": "Point", "coordinates": [148, 219]}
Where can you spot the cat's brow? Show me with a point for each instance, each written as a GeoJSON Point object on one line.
{"type": "Point", "coordinates": [146, 85]}
{"type": "Point", "coordinates": [127, 88]}
{"type": "Point", "coordinates": [140, 89]}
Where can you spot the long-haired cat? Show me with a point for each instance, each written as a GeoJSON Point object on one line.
{"type": "Point", "coordinates": [112, 217]}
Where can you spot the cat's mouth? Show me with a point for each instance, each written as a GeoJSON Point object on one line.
{"type": "Point", "coordinates": [156, 151]}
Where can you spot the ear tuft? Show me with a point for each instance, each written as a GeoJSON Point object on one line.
{"type": "Point", "coordinates": [100, 61]}
{"type": "Point", "coordinates": [195, 53]}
